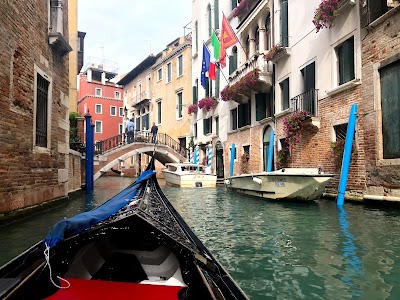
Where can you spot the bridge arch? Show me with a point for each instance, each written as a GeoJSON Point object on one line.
{"type": "Point", "coordinates": [162, 153]}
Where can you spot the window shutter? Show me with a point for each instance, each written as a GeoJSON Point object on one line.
{"type": "Point", "coordinates": [216, 14]}
{"type": "Point", "coordinates": [261, 105]}
{"type": "Point", "coordinates": [217, 83]}
{"type": "Point", "coordinates": [284, 23]}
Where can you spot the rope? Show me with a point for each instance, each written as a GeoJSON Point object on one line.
{"type": "Point", "coordinates": [47, 258]}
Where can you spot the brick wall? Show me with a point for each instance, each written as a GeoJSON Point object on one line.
{"type": "Point", "coordinates": [29, 177]}
{"type": "Point", "coordinates": [380, 47]}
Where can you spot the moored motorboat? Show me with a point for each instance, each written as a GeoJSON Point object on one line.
{"type": "Point", "coordinates": [290, 184]}
{"type": "Point", "coordinates": [188, 175]}
{"type": "Point", "coordinates": [134, 246]}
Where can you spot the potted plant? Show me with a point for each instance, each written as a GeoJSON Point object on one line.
{"type": "Point", "coordinates": [274, 52]}
{"type": "Point", "coordinates": [283, 158]}
{"type": "Point", "coordinates": [325, 14]}
{"type": "Point", "coordinates": [292, 126]}
{"type": "Point", "coordinates": [208, 103]}
{"type": "Point", "coordinates": [192, 109]}
{"type": "Point", "coordinates": [250, 79]}
{"type": "Point", "coordinates": [244, 163]}
{"type": "Point", "coordinates": [337, 149]}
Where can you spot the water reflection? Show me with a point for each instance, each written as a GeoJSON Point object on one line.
{"type": "Point", "coordinates": [273, 250]}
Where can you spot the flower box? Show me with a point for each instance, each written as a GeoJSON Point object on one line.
{"type": "Point", "coordinates": [242, 87]}
{"type": "Point", "coordinates": [207, 103]}
{"type": "Point", "coordinates": [276, 53]}
{"type": "Point", "coordinates": [192, 109]}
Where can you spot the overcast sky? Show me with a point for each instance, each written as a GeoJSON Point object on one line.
{"type": "Point", "coordinates": [127, 31]}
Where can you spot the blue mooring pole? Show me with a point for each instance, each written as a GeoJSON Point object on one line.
{"type": "Point", "coordinates": [89, 155]}
{"type": "Point", "coordinates": [348, 145]}
{"type": "Point", "coordinates": [92, 157]}
{"type": "Point", "coordinates": [270, 151]}
{"type": "Point", "coordinates": [232, 160]}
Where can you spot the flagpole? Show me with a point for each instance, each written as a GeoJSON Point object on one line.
{"type": "Point", "coordinates": [218, 65]}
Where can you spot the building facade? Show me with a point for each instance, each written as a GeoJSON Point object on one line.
{"type": "Point", "coordinates": [34, 142]}
{"type": "Point", "coordinates": [102, 99]}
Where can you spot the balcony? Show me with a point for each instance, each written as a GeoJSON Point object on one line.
{"type": "Point", "coordinates": [257, 61]}
{"type": "Point", "coordinates": [308, 102]}
{"type": "Point", "coordinates": [141, 98]}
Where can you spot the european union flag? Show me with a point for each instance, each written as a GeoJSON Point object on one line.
{"type": "Point", "coordinates": [205, 65]}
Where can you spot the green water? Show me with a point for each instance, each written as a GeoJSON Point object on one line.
{"type": "Point", "coordinates": [272, 250]}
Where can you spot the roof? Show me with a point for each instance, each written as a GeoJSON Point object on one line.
{"type": "Point", "coordinates": [146, 63]}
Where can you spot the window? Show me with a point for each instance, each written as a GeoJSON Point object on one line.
{"type": "Point", "coordinates": [120, 129]}
{"type": "Point", "coordinates": [285, 93]}
{"type": "Point", "coordinates": [307, 102]}
{"type": "Point", "coordinates": [195, 91]}
{"type": "Point", "coordinates": [217, 126]}
{"type": "Point", "coordinates": [179, 105]}
{"type": "Point", "coordinates": [390, 99]}
{"type": "Point", "coordinates": [113, 111]}
{"type": "Point", "coordinates": [195, 131]}
{"type": "Point", "coordinates": [159, 74]}
{"type": "Point", "coordinates": [117, 95]}
{"type": "Point", "coordinates": [207, 125]}
{"type": "Point", "coordinates": [169, 72]}
{"type": "Point", "coordinates": [42, 124]}
{"type": "Point", "coordinates": [159, 112]}
{"type": "Point", "coordinates": [99, 92]}
{"type": "Point", "coordinates": [98, 126]}
{"type": "Point", "coordinates": [340, 131]}
{"type": "Point", "coordinates": [244, 114]}
{"type": "Point", "coordinates": [284, 23]}
{"type": "Point", "coordinates": [233, 60]}
{"type": "Point", "coordinates": [121, 111]}
{"type": "Point", "coordinates": [180, 65]}
{"type": "Point", "coordinates": [263, 106]}
{"type": "Point", "coordinates": [234, 3]}
{"type": "Point", "coordinates": [234, 119]}
{"type": "Point", "coordinates": [268, 32]}
{"type": "Point", "coordinates": [345, 55]}
{"type": "Point", "coordinates": [216, 14]}
{"type": "Point", "coordinates": [246, 149]}
{"type": "Point", "coordinates": [196, 28]}
{"type": "Point", "coordinates": [98, 109]}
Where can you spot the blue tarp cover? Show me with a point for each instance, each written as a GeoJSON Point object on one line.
{"type": "Point", "coordinates": [78, 223]}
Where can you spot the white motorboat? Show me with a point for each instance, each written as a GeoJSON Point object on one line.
{"type": "Point", "coordinates": [289, 183]}
{"type": "Point", "coordinates": [189, 175]}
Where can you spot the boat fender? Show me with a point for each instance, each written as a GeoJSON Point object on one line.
{"type": "Point", "coordinates": [199, 184]}
{"type": "Point", "coordinates": [257, 180]}
{"type": "Point", "coordinates": [227, 182]}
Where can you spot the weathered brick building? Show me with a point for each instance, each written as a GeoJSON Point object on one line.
{"type": "Point", "coordinates": [34, 103]}
{"type": "Point", "coordinates": [380, 109]}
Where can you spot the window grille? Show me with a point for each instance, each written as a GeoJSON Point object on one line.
{"type": "Point", "coordinates": [42, 91]}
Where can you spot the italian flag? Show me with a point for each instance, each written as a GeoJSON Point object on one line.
{"type": "Point", "coordinates": [214, 56]}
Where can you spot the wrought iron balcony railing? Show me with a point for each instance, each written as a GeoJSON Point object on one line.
{"type": "Point", "coordinates": [307, 101]}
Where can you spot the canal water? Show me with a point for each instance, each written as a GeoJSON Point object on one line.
{"type": "Point", "coordinates": [272, 250]}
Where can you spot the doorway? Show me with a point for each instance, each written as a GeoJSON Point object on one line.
{"type": "Point", "coordinates": [219, 160]}
{"type": "Point", "coordinates": [266, 142]}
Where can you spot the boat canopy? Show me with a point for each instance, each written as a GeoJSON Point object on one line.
{"type": "Point", "coordinates": [78, 223]}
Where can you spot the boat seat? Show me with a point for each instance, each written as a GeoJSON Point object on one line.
{"type": "Point", "coordinates": [121, 267]}
{"type": "Point", "coordinates": [82, 289]}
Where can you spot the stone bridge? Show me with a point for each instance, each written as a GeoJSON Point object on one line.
{"type": "Point", "coordinates": [163, 153]}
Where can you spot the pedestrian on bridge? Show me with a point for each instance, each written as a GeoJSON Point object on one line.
{"type": "Point", "coordinates": [130, 127]}
{"type": "Point", "coordinates": [154, 130]}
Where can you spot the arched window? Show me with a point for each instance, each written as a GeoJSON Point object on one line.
{"type": "Point", "coordinates": [233, 60]}
{"type": "Point", "coordinates": [247, 47]}
{"type": "Point", "coordinates": [266, 142]}
{"type": "Point", "coordinates": [257, 38]}
{"type": "Point", "coordinates": [268, 32]}
{"type": "Point", "coordinates": [209, 20]}
{"type": "Point", "coordinates": [196, 29]}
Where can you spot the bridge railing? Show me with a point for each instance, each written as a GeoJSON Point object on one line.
{"type": "Point", "coordinates": [140, 137]}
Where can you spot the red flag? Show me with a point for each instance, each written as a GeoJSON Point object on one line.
{"type": "Point", "coordinates": [228, 39]}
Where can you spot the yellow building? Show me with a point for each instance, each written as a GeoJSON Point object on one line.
{"type": "Point", "coordinates": [172, 90]}
{"type": "Point", "coordinates": [73, 55]}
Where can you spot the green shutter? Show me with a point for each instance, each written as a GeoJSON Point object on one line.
{"type": "Point", "coordinates": [284, 23]}
{"type": "Point", "coordinates": [261, 106]}
{"type": "Point", "coordinates": [346, 61]}
{"type": "Point", "coordinates": [285, 94]}
{"type": "Point", "coordinates": [216, 14]}
{"type": "Point", "coordinates": [390, 99]}
{"type": "Point", "coordinates": [234, 4]}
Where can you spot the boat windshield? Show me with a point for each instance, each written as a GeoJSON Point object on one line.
{"type": "Point", "coordinates": [192, 168]}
